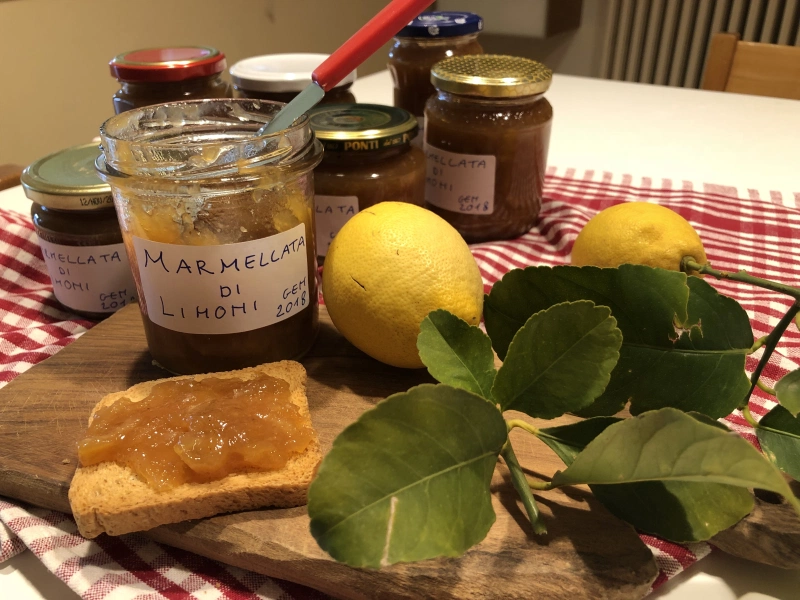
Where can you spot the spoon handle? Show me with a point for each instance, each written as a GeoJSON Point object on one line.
{"type": "Point", "coordinates": [367, 40]}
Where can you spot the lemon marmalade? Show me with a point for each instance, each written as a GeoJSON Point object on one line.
{"type": "Point", "coordinates": [189, 431]}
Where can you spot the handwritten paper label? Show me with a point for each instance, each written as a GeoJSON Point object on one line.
{"type": "Point", "coordinates": [94, 279]}
{"type": "Point", "coordinates": [462, 183]}
{"type": "Point", "coordinates": [332, 213]}
{"type": "Point", "coordinates": [229, 288]}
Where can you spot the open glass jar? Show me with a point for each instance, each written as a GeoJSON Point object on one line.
{"type": "Point", "coordinates": [218, 223]}
{"type": "Point", "coordinates": [487, 132]}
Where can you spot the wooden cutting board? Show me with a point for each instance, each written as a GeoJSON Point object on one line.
{"type": "Point", "coordinates": [587, 553]}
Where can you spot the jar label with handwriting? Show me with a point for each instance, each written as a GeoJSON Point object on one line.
{"type": "Point", "coordinates": [332, 213]}
{"type": "Point", "coordinates": [227, 288]}
{"type": "Point", "coordinates": [462, 183]}
{"type": "Point", "coordinates": [93, 279]}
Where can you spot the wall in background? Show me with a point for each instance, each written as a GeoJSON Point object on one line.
{"type": "Point", "coordinates": [575, 52]}
{"type": "Point", "coordinates": [56, 89]}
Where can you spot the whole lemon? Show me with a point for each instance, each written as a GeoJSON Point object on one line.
{"type": "Point", "coordinates": [387, 268]}
{"type": "Point", "coordinates": [637, 233]}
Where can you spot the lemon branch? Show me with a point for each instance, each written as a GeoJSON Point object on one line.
{"type": "Point", "coordinates": [688, 265]}
{"type": "Point", "coordinates": [523, 489]}
{"type": "Point", "coordinates": [769, 346]}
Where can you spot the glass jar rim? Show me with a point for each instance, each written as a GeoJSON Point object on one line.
{"type": "Point", "coordinates": [203, 139]}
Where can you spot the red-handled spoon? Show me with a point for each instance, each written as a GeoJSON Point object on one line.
{"type": "Point", "coordinates": [350, 55]}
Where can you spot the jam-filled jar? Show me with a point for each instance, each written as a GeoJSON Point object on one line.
{"type": "Point", "coordinates": [487, 132]}
{"type": "Point", "coordinates": [280, 77]}
{"type": "Point", "coordinates": [158, 75]}
{"type": "Point", "coordinates": [218, 221]}
{"type": "Point", "coordinates": [74, 218]}
{"type": "Point", "coordinates": [426, 40]}
{"type": "Point", "coordinates": [368, 159]}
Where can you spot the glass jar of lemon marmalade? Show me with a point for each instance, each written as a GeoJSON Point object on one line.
{"type": "Point", "coordinates": [487, 131]}
{"type": "Point", "coordinates": [158, 75]}
{"type": "Point", "coordinates": [280, 77]}
{"type": "Point", "coordinates": [79, 235]}
{"type": "Point", "coordinates": [219, 226]}
{"type": "Point", "coordinates": [368, 159]}
{"type": "Point", "coordinates": [426, 40]}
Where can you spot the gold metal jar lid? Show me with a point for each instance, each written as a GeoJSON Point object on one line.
{"type": "Point", "coordinates": [362, 127]}
{"type": "Point", "coordinates": [491, 76]}
{"type": "Point", "coordinates": [67, 180]}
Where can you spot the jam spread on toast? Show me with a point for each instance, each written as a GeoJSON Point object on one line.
{"type": "Point", "coordinates": [188, 431]}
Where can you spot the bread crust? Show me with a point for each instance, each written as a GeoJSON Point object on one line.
{"type": "Point", "coordinates": [111, 498]}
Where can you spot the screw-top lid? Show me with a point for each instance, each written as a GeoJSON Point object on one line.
{"type": "Point", "coordinates": [159, 65]}
{"type": "Point", "coordinates": [362, 127]}
{"type": "Point", "coordinates": [442, 24]}
{"type": "Point", "coordinates": [67, 180]}
{"type": "Point", "coordinates": [491, 76]}
{"type": "Point", "coordinates": [279, 72]}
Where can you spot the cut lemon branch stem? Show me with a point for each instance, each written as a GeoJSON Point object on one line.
{"type": "Point", "coordinates": [520, 482]}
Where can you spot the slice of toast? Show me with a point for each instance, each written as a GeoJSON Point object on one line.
{"type": "Point", "coordinates": [111, 498]}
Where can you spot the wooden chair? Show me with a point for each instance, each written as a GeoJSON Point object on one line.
{"type": "Point", "coordinates": [752, 68]}
{"type": "Point", "coordinates": [9, 176]}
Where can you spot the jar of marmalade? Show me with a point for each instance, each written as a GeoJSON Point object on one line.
{"type": "Point", "coordinates": [74, 218]}
{"type": "Point", "coordinates": [280, 77]}
{"type": "Point", "coordinates": [487, 132]}
{"type": "Point", "coordinates": [426, 40]}
{"type": "Point", "coordinates": [219, 226]}
{"type": "Point", "coordinates": [158, 75]}
{"type": "Point", "coordinates": [368, 159]}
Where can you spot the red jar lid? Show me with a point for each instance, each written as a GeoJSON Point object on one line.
{"type": "Point", "coordinates": [167, 64]}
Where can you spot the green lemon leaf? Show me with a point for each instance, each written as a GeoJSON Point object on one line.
{"type": "Point", "coordinates": [679, 511]}
{"type": "Point", "coordinates": [457, 353]}
{"type": "Point", "coordinates": [702, 337]}
{"type": "Point", "coordinates": [676, 510]}
{"type": "Point", "coordinates": [717, 322]}
{"type": "Point", "coordinates": [567, 441]}
{"type": "Point", "coordinates": [779, 434]}
{"type": "Point", "coordinates": [646, 302]}
{"type": "Point", "coordinates": [667, 445]}
{"type": "Point", "coordinates": [710, 382]}
{"type": "Point", "coordinates": [560, 360]}
{"type": "Point", "coordinates": [409, 480]}
{"type": "Point", "coordinates": [787, 389]}
{"type": "Point", "coordinates": [709, 355]}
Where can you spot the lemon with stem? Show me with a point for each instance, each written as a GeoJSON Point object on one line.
{"type": "Point", "coordinates": [637, 233]}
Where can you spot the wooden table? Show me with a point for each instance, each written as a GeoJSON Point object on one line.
{"type": "Point", "coordinates": [643, 130]}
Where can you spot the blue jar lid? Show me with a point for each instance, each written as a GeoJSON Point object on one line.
{"type": "Point", "coordinates": [442, 24]}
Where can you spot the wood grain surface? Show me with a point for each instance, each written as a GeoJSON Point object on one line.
{"type": "Point", "coordinates": [587, 553]}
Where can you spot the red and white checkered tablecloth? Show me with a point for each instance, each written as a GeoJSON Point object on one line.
{"type": "Point", "coordinates": [751, 229]}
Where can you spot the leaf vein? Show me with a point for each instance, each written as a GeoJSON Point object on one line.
{"type": "Point", "coordinates": [399, 491]}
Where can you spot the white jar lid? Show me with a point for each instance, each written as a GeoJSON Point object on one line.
{"type": "Point", "coordinates": [279, 72]}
